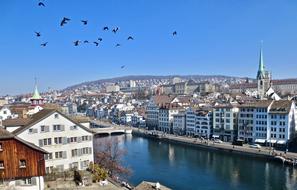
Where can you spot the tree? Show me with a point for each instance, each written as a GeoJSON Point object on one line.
{"type": "Point", "coordinates": [110, 157]}
{"type": "Point", "coordinates": [98, 172]}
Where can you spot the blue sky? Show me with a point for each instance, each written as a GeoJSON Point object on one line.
{"type": "Point", "coordinates": [214, 37]}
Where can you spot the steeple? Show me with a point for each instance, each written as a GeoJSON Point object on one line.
{"type": "Point", "coordinates": [261, 70]}
{"type": "Point", "coordinates": [36, 98]}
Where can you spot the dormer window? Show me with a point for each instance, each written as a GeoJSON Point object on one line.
{"type": "Point", "coordinates": [1, 164]}
{"type": "Point", "coordinates": [22, 163]}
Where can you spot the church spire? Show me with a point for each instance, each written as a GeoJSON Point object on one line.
{"type": "Point", "coordinates": [261, 70]}
{"type": "Point", "coordinates": [36, 98]}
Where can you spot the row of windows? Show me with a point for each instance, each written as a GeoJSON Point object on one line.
{"type": "Point", "coordinates": [22, 164]}
{"type": "Point", "coordinates": [64, 140]}
{"type": "Point", "coordinates": [46, 128]}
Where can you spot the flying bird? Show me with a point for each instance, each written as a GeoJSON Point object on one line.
{"type": "Point", "coordinates": [41, 4]}
{"type": "Point", "coordinates": [123, 66]}
{"type": "Point", "coordinates": [76, 43]}
{"type": "Point", "coordinates": [64, 21]}
{"type": "Point", "coordinates": [105, 28]}
{"type": "Point", "coordinates": [38, 34]}
{"type": "Point", "coordinates": [86, 41]}
{"type": "Point", "coordinates": [115, 30]}
{"type": "Point", "coordinates": [44, 44]}
{"type": "Point", "coordinates": [96, 43]}
{"type": "Point", "coordinates": [130, 38]}
{"type": "Point", "coordinates": [85, 22]}
{"type": "Point", "coordinates": [100, 39]}
{"type": "Point", "coordinates": [174, 33]}
{"type": "Point", "coordinates": [118, 45]}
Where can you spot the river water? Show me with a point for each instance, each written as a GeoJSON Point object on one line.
{"type": "Point", "coordinates": [182, 167]}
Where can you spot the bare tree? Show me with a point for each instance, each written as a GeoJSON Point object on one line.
{"type": "Point", "coordinates": [110, 157]}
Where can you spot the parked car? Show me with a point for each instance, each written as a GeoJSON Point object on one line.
{"type": "Point", "coordinates": [218, 141]}
{"type": "Point", "coordinates": [255, 146]}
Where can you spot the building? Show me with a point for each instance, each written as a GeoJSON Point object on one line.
{"type": "Point", "coordinates": [190, 121]}
{"type": "Point", "coordinates": [179, 123]}
{"type": "Point", "coordinates": [165, 117]}
{"type": "Point", "coordinates": [5, 113]}
{"type": "Point", "coordinates": [68, 143]}
{"type": "Point", "coordinates": [22, 164]}
{"type": "Point", "coordinates": [204, 127]}
{"type": "Point", "coordinates": [264, 82]}
{"type": "Point", "coordinates": [225, 122]}
{"type": "Point", "coordinates": [112, 88]}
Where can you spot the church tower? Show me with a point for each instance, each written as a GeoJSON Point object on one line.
{"type": "Point", "coordinates": [263, 77]}
{"type": "Point", "coordinates": [36, 99]}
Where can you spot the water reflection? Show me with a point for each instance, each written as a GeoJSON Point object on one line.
{"type": "Point", "coordinates": [182, 167]}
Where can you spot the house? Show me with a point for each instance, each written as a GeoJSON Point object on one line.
{"type": "Point", "coordinates": [5, 113]}
{"type": "Point", "coordinates": [22, 164]}
{"type": "Point", "coordinates": [179, 123]}
{"type": "Point", "coordinates": [165, 117]}
{"type": "Point", "coordinates": [70, 144]}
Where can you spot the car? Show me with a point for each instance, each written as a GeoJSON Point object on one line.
{"type": "Point", "coordinates": [218, 141]}
{"type": "Point", "coordinates": [255, 146]}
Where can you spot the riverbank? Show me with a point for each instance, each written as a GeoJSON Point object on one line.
{"type": "Point", "coordinates": [288, 158]}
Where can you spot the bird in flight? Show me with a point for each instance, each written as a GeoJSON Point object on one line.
{"type": "Point", "coordinates": [96, 43]}
{"type": "Point", "coordinates": [76, 43]}
{"type": "Point", "coordinates": [64, 21]}
{"type": "Point", "coordinates": [38, 34]}
{"type": "Point", "coordinates": [118, 45]}
{"type": "Point", "coordinates": [41, 4]}
{"type": "Point", "coordinates": [105, 28]}
{"type": "Point", "coordinates": [86, 41]}
{"type": "Point", "coordinates": [123, 66]}
{"type": "Point", "coordinates": [130, 38]}
{"type": "Point", "coordinates": [174, 33]}
{"type": "Point", "coordinates": [44, 44]}
{"type": "Point", "coordinates": [100, 39]}
{"type": "Point", "coordinates": [85, 22]}
{"type": "Point", "coordinates": [115, 30]}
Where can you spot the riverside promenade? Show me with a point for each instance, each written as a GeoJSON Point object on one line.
{"type": "Point", "coordinates": [263, 152]}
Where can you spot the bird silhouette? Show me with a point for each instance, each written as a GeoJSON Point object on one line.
{"type": "Point", "coordinates": [86, 41]}
{"type": "Point", "coordinates": [174, 33]}
{"type": "Point", "coordinates": [100, 39]}
{"type": "Point", "coordinates": [85, 22]}
{"type": "Point", "coordinates": [130, 38]}
{"type": "Point", "coordinates": [64, 21]}
{"type": "Point", "coordinates": [76, 43]}
{"type": "Point", "coordinates": [96, 43]}
{"type": "Point", "coordinates": [115, 30]}
{"type": "Point", "coordinates": [123, 66]}
{"type": "Point", "coordinates": [105, 28]}
{"type": "Point", "coordinates": [118, 45]}
{"type": "Point", "coordinates": [38, 34]}
{"type": "Point", "coordinates": [41, 4]}
{"type": "Point", "coordinates": [44, 44]}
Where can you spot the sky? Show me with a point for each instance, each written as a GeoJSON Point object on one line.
{"type": "Point", "coordinates": [213, 37]}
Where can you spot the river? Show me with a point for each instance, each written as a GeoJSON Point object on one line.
{"type": "Point", "coordinates": [182, 167]}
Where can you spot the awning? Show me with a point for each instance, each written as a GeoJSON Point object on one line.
{"type": "Point", "coordinates": [215, 136]}
{"type": "Point", "coordinates": [260, 140]}
{"type": "Point", "coordinates": [281, 142]}
{"type": "Point", "coordinates": [271, 141]}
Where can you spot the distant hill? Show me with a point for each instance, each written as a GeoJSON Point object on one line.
{"type": "Point", "coordinates": [219, 78]}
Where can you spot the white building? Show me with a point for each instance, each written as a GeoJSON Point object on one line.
{"type": "Point", "coordinates": [69, 144]}
{"type": "Point", "coordinates": [152, 115]}
{"type": "Point", "coordinates": [5, 113]}
{"type": "Point", "coordinates": [190, 121]}
{"type": "Point", "coordinates": [179, 123]}
{"type": "Point", "coordinates": [225, 122]}
{"type": "Point", "coordinates": [165, 117]}
{"type": "Point", "coordinates": [203, 123]}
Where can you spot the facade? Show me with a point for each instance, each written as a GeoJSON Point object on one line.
{"type": "Point", "coordinates": [22, 164]}
{"type": "Point", "coordinates": [5, 113]}
{"type": "Point", "coordinates": [190, 121]}
{"type": "Point", "coordinates": [152, 115]}
{"type": "Point", "coordinates": [204, 123]}
{"type": "Point", "coordinates": [179, 123]}
{"type": "Point", "coordinates": [225, 122]}
{"type": "Point", "coordinates": [112, 88]}
{"type": "Point", "coordinates": [165, 117]}
{"type": "Point", "coordinates": [69, 144]}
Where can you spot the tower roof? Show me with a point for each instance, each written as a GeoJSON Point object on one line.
{"type": "Point", "coordinates": [36, 95]}
{"type": "Point", "coordinates": [261, 70]}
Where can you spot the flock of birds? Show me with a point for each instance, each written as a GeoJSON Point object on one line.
{"type": "Point", "coordinates": [65, 21]}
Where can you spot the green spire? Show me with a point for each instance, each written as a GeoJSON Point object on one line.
{"type": "Point", "coordinates": [261, 70]}
{"type": "Point", "coordinates": [36, 95]}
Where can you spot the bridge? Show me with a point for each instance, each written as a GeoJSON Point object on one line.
{"type": "Point", "coordinates": [112, 131]}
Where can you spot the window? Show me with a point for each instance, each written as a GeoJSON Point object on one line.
{"type": "Point", "coordinates": [74, 152]}
{"type": "Point", "coordinates": [57, 127]}
{"type": "Point", "coordinates": [42, 128]}
{"type": "Point", "coordinates": [59, 154]}
{"type": "Point", "coordinates": [58, 140]}
{"type": "Point", "coordinates": [56, 116]}
{"type": "Point", "coordinates": [27, 181]}
{"type": "Point", "coordinates": [73, 139]}
{"type": "Point", "coordinates": [47, 141]}
{"type": "Point", "coordinates": [1, 147]}
{"type": "Point", "coordinates": [48, 156]}
{"type": "Point", "coordinates": [74, 127]}
{"type": "Point", "coordinates": [22, 163]}
{"type": "Point", "coordinates": [1, 164]}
